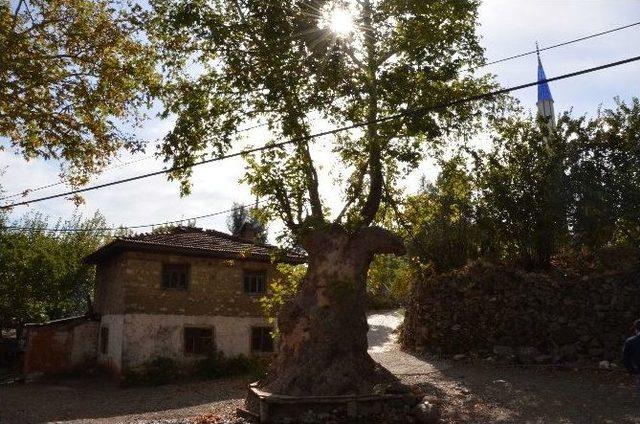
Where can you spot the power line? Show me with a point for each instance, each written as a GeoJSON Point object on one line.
{"type": "Point", "coordinates": [66, 180]}
{"type": "Point", "coordinates": [565, 43]}
{"type": "Point", "coordinates": [134, 227]}
{"type": "Point", "coordinates": [111, 168]}
{"type": "Point", "coordinates": [517, 56]}
{"type": "Point", "coordinates": [335, 130]}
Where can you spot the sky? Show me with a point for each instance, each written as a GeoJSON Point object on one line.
{"type": "Point", "coordinates": [507, 27]}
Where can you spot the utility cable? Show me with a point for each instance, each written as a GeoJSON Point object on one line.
{"type": "Point", "coordinates": [356, 125]}
{"type": "Point", "coordinates": [565, 43]}
{"type": "Point", "coordinates": [133, 227]}
{"type": "Point", "coordinates": [111, 168]}
{"type": "Point", "coordinates": [517, 56]}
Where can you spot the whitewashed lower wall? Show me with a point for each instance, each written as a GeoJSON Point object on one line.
{"type": "Point", "coordinates": [113, 357]}
{"type": "Point", "coordinates": [146, 336]}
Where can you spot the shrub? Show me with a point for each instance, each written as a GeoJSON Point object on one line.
{"type": "Point", "coordinates": [218, 365]}
{"type": "Point", "coordinates": [213, 366]}
{"type": "Point", "coordinates": [157, 371]}
{"type": "Point", "coordinates": [161, 370]}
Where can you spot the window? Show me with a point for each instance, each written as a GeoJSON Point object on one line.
{"type": "Point", "coordinates": [198, 340]}
{"type": "Point", "coordinates": [104, 340]}
{"type": "Point", "coordinates": [255, 282]}
{"type": "Point", "coordinates": [261, 340]}
{"type": "Point", "coordinates": [175, 276]}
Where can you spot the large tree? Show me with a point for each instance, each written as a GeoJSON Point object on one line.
{"type": "Point", "coordinates": [286, 63]}
{"type": "Point", "coordinates": [73, 75]}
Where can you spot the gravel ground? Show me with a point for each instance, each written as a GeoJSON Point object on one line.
{"type": "Point", "coordinates": [97, 401]}
{"type": "Point", "coordinates": [471, 392]}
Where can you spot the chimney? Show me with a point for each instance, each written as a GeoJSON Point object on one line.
{"type": "Point", "coordinates": [248, 233]}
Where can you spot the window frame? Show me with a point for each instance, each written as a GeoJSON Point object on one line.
{"type": "Point", "coordinates": [169, 267]}
{"type": "Point", "coordinates": [265, 330]}
{"type": "Point", "coordinates": [212, 343]}
{"type": "Point", "coordinates": [104, 340]}
{"type": "Point", "coordinates": [249, 273]}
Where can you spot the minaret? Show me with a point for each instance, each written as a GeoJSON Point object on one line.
{"type": "Point", "coordinates": [545, 101]}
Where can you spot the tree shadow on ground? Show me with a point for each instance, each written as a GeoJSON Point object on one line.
{"type": "Point", "coordinates": [100, 399]}
{"type": "Point", "coordinates": [477, 392]}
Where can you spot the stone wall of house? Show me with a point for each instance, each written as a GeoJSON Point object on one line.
{"type": "Point", "coordinates": [132, 283]}
{"type": "Point", "coordinates": [109, 291]}
{"type": "Point", "coordinates": [502, 313]}
{"type": "Point", "coordinates": [146, 320]}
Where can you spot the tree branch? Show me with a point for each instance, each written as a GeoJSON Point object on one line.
{"type": "Point", "coordinates": [349, 51]}
{"type": "Point", "coordinates": [285, 206]}
{"type": "Point", "coordinates": [15, 15]}
{"type": "Point", "coordinates": [386, 56]}
{"type": "Point", "coordinates": [356, 189]}
{"type": "Point", "coordinates": [312, 182]}
{"type": "Point", "coordinates": [372, 204]}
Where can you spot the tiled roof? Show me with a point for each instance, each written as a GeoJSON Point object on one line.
{"type": "Point", "coordinates": [197, 242]}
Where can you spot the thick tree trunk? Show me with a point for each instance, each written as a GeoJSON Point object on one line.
{"type": "Point", "coordinates": [323, 330]}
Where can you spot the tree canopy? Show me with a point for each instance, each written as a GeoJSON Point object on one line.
{"type": "Point", "coordinates": [539, 191]}
{"type": "Point", "coordinates": [226, 63]}
{"type": "Point", "coordinates": [73, 75]}
{"type": "Point", "coordinates": [42, 274]}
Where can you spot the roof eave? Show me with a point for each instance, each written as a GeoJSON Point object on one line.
{"type": "Point", "coordinates": [119, 246]}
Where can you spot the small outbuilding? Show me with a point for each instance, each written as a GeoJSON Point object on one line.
{"type": "Point", "coordinates": [60, 346]}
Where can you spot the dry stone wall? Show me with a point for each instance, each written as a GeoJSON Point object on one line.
{"type": "Point", "coordinates": [501, 313]}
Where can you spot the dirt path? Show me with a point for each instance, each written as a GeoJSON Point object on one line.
{"type": "Point", "coordinates": [472, 392]}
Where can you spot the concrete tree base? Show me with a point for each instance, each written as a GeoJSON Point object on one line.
{"type": "Point", "coordinates": [273, 408]}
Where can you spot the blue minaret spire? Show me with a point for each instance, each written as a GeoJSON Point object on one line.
{"type": "Point", "coordinates": [545, 101]}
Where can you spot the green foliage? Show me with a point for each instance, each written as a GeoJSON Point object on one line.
{"type": "Point", "coordinates": [439, 221]}
{"type": "Point", "coordinates": [604, 179]}
{"type": "Point", "coordinates": [388, 282]}
{"type": "Point", "coordinates": [539, 192]}
{"type": "Point", "coordinates": [72, 72]}
{"type": "Point", "coordinates": [42, 275]}
{"type": "Point", "coordinates": [276, 62]}
{"type": "Point", "coordinates": [155, 372]}
{"type": "Point", "coordinates": [218, 365]}
{"type": "Point", "coordinates": [167, 228]}
{"type": "Point", "coordinates": [523, 197]}
{"type": "Point", "coordinates": [281, 289]}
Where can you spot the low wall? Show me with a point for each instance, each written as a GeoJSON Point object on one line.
{"type": "Point", "coordinates": [60, 347]}
{"type": "Point", "coordinates": [529, 317]}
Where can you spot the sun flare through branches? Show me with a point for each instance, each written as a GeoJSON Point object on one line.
{"type": "Point", "coordinates": [338, 19]}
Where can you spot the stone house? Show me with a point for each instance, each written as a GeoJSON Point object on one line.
{"type": "Point", "coordinates": [179, 294]}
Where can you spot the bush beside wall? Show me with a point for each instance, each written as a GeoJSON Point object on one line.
{"type": "Point", "coordinates": [162, 370]}
{"type": "Point", "coordinates": [494, 311]}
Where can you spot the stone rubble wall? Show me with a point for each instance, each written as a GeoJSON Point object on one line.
{"type": "Point", "coordinates": [131, 283]}
{"type": "Point", "coordinates": [500, 313]}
